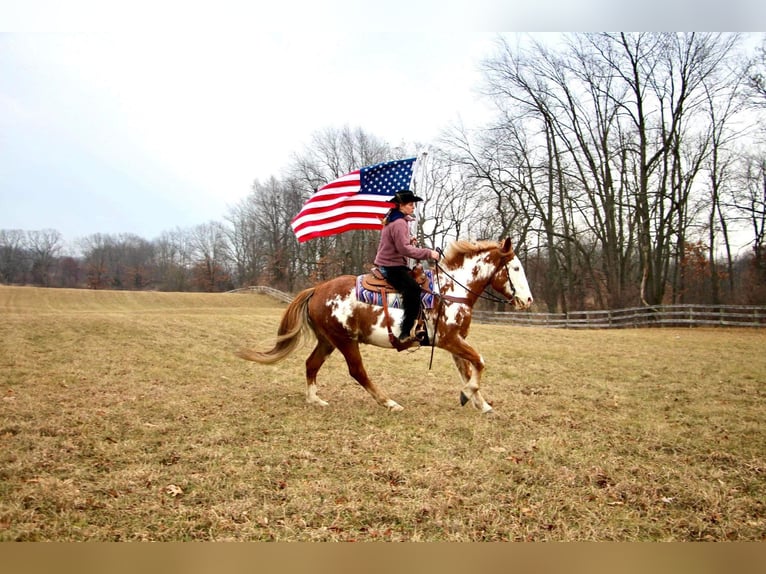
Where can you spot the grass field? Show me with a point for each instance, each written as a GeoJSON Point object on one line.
{"type": "Point", "coordinates": [126, 416]}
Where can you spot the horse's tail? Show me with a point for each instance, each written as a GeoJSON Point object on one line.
{"type": "Point", "coordinates": [294, 321]}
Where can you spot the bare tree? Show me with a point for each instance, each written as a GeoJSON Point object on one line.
{"type": "Point", "coordinates": [95, 249]}
{"type": "Point", "coordinates": [44, 247]}
{"type": "Point", "coordinates": [450, 209]}
{"type": "Point", "coordinates": [267, 213]}
{"type": "Point", "coordinates": [756, 77]}
{"type": "Point", "coordinates": [243, 234]}
{"type": "Point", "coordinates": [548, 148]}
{"type": "Point", "coordinates": [173, 260]}
{"type": "Point", "coordinates": [598, 145]}
{"type": "Point", "coordinates": [123, 261]}
{"type": "Point", "coordinates": [725, 107]}
{"type": "Point", "coordinates": [14, 256]}
{"type": "Point", "coordinates": [211, 257]}
{"type": "Point", "coordinates": [749, 202]}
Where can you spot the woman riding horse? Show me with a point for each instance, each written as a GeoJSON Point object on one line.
{"type": "Point", "coordinates": [395, 246]}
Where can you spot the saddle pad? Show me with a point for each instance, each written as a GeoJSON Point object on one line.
{"type": "Point", "coordinates": [394, 298]}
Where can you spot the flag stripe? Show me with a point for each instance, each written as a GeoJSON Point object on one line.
{"type": "Point", "coordinates": [372, 214]}
{"type": "Point", "coordinates": [315, 211]}
{"type": "Point", "coordinates": [350, 179]}
{"type": "Point", "coordinates": [337, 229]}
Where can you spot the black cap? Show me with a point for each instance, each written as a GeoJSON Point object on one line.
{"type": "Point", "coordinates": [405, 196]}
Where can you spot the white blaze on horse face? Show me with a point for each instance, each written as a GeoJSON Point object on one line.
{"type": "Point", "coordinates": [518, 279]}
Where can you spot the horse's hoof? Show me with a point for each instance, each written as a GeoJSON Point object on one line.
{"type": "Point", "coordinates": [489, 413]}
{"type": "Point", "coordinates": [463, 399]}
{"type": "Point", "coordinates": [393, 406]}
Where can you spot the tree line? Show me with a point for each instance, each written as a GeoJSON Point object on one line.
{"type": "Point", "coordinates": [627, 169]}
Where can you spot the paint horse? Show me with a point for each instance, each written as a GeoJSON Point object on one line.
{"type": "Point", "coordinates": [339, 320]}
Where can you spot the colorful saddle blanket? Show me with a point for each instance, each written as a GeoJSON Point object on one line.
{"type": "Point", "coordinates": [394, 298]}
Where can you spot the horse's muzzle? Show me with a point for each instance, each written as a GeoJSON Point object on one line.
{"type": "Point", "coordinates": [522, 304]}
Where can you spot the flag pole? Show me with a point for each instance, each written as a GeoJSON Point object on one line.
{"type": "Point", "coordinates": [419, 187]}
{"type": "Point", "coordinates": [419, 183]}
{"type": "Point", "coordinates": [418, 179]}
{"type": "Point", "coordinates": [421, 163]}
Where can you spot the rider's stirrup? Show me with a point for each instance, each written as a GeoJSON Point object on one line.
{"type": "Point", "coordinates": [405, 336]}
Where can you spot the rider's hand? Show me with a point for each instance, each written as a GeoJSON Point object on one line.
{"type": "Point", "coordinates": [435, 255]}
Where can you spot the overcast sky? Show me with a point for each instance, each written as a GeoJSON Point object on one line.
{"type": "Point", "coordinates": [162, 114]}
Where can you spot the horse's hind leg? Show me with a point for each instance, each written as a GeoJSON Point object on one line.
{"type": "Point", "coordinates": [356, 369]}
{"type": "Point", "coordinates": [313, 364]}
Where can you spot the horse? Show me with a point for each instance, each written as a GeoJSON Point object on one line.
{"type": "Point", "coordinates": [339, 320]}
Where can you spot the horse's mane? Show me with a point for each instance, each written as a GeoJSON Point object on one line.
{"type": "Point", "coordinates": [466, 247]}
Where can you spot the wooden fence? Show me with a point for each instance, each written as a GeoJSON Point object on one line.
{"type": "Point", "coordinates": [276, 293]}
{"type": "Point", "coordinates": [657, 316]}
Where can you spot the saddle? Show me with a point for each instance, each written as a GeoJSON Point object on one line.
{"type": "Point", "coordinates": [375, 282]}
{"type": "Point", "coordinates": [373, 288]}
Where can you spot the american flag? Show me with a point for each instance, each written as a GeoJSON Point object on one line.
{"type": "Point", "coordinates": [357, 200]}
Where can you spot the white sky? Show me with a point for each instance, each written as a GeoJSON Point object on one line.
{"type": "Point", "coordinates": [145, 116]}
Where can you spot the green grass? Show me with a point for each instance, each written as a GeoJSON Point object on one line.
{"type": "Point", "coordinates": [126, 416]}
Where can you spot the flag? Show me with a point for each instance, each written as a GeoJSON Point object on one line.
{"type": "Point", "coordinates": [357, 200]}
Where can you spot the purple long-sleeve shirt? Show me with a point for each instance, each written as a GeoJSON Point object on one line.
{"type": "Point", "coordinates": [395, 247]}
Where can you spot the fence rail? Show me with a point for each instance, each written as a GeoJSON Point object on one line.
{"type": "Point", "coordinates": [276, 293]}
{"type": "Point", "coordinates": [657, 316]}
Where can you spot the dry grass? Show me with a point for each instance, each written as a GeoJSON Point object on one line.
{"type": "Point", "coordinates": [126, 416]}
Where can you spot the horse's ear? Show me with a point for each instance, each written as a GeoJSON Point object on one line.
{"type": "Point", "coordinates": [507, 248]}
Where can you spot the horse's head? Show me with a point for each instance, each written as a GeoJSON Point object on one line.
{"type": "Point", "coordinates": [471, 266]}
{"type": "Point", "coordinates": [510, 279]}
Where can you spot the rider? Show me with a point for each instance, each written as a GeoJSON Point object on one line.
{"type": "Point", "coordinates": [395, 246]}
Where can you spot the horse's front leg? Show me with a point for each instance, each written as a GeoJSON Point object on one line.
{"type": "Point", "coordinates": [470, 365]}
